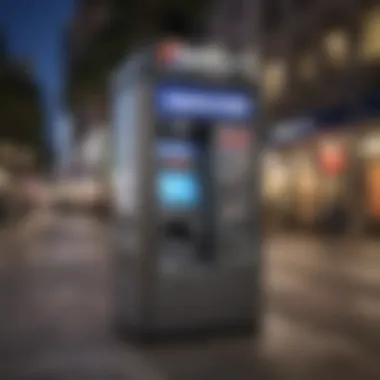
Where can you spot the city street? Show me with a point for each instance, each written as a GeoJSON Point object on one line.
{"type": "Point", "coordinates": [321, 303]}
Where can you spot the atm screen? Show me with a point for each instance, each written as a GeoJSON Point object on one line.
{"type": "Point", "coordinates": [178, 187]}
{"type": "Point", "coordinates": [178, 190]}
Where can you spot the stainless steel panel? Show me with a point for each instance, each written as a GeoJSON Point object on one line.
{"type": "Point", "coordinates": [205, 298]}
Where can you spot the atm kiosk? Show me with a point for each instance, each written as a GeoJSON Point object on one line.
{"type": "Point", "coordinates": [185, 227]}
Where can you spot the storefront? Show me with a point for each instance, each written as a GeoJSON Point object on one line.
{"type": "Point", "coordinates": [305, 183]}
{"type": "Point", "coordinates": [323, 173]}
{"type": "Point", "coordinates": [369, 154]}
{"type": "Point", "coordinates": [290, 176]}
{"type": "Point", "coordinates": [368, 168]}
{"type": "Point", "coordinates": [306, 175]}
{"type": "Point", "coordinates": [276, 189]}
{"type": "Point", "coordinates": [333, 153]}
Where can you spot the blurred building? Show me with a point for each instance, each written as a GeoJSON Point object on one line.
{"type": "Point", "coordinates": [320, 66]}
{"type": "Point", "coordinates": [319, 85]}
{"type": "Point", "coordinates": [314, 53]}
{"type": "Point", "coordinates": [320, 82]}
{"type": "Point", "coordinates": [317, 53]}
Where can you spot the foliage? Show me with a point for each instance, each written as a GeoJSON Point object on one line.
{"type": "Point", "coordinates": [130, 21]}
{"type": "Point", "coordinates": [20, 108]}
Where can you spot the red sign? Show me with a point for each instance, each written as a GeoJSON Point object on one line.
{"type": "Point", "coordinates": [234, 137]}
{"type": "Point", "coordinates": [167, 51]}
{"type": "Point", "coordinates": [332, 158]}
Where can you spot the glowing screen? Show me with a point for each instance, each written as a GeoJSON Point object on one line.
{"type": "Point", "coordinates": [177, 181]}
{"type": "Point", "coordinates": [178, 189]}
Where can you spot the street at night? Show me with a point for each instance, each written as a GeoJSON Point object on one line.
{"type": "Point", "coordinates": [171, 167]}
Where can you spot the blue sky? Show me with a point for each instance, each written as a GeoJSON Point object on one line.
{"type": "Point", "coordinates": [34, 29]}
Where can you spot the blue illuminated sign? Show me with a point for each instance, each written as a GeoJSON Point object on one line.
{"type": "Point", "coordinates": [206, 103]}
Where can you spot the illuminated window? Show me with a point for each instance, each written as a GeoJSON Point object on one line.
{"type": "Point", "coordinates": [274, 80]}
{"type": "Point", "coordinates": [275, 177]}
{"type": "Point", "coordinates": [336, 46]}
{"type": "Point", "coordinates": [370, 146]}
{"type": "Point", "coordinates": [370, 41]}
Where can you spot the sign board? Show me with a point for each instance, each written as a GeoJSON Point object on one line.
{"type": "Point", "coordinates": [192, 102]}
{"type": "Point", "coordinates": [333, 158]}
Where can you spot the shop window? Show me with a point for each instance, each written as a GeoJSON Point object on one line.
{"type": "Point", "coordinates": [370, 41]}
{"type": "Point", "coordinates": [370, 147]}
{"type": "Point", "coordinates": [276, 185]}
{"type": "Point", "coordinates": [336, 47]}
{"type": "Point", "coordinates": [274, 80]}
{"type": "Point", "coordinates": [305, 188]}
{"type": "Point", "coordinates": [275, 177]}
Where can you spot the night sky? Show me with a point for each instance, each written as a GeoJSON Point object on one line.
{"type": "Point", "coordinates": [34, 31]}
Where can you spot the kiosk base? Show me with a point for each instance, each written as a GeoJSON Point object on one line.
{"type": "Point", "coordinates": [196, 303]}
{"type": "Point", "coordinates": [205, 333]}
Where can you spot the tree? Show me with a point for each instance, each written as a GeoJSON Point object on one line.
{"type": "Point", "coordinates": [21, 121]}
{"type": "Point", "coordinates": [3, 47]}
{"type": "Point", "coordinates": [131, 23]}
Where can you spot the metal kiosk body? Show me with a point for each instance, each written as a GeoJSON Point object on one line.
{"type": "Point", "coordinates": [185, 232]}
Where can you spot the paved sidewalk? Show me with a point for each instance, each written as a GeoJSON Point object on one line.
{"type": "Point", "coordinates": [322, 314]}
{"type": "Point", "coordinates": [54, 309]}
